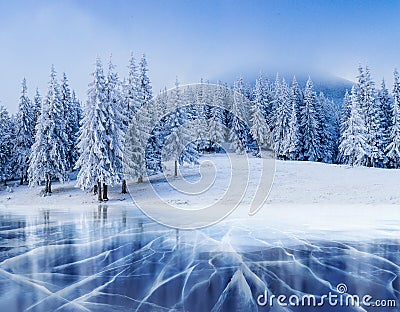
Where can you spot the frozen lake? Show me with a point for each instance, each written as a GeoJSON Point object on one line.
{"type": "Point", "coordinates": [116, 259]}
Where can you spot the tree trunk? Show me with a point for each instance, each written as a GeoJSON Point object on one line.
{"type": "Point", "coordinates": [95, 189]}
{"type": "Point", "coordinates": [140, 179]}
{"type": "Point", "coordinates": [99, 198]}
{"type": "Point", "coordinates": [176, 168]}
{"type": "Point", "coordinates": [124, 186]}
{"type": "Point", "coordinates": [105, 188]}
{"type": "Point", "coordinates": [5, 182]}
{"type": "Point", "coordinates": [49, 186]}
{"type": "Point", "coordinates": [22, 180]}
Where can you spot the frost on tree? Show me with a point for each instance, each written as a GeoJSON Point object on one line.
{"type": "Point", "coordinates": [280, 117]}
{"type": "Point", "coordinates": [238, 134]}
{"type": "Point", "coordinates": [310, 125]}
{"type": "Point", "coordinates": [263, 98]}
{"type": "Point", "coordinates": [259, 128]}
{"type": "Point", "coordinates": [49, 152]}
{"type": "Point", "coordinates": [216, 120]}
{"type": "Point", "coordinates": [372, 116]}
{"type": "Point", "coordinates": [393, 149]}
{"type": "Point", "coordinates": [179, 145]}
{"type": "Point", "coordinates": [72, 121]}
{"type": "Point", "coordinates": [354, 148]}
{"type": "Point", "coordinates": [24, 137]}
{"type": "Point", "coordinates": [99, 141]}
{"type": "Point", "coordinates": [6, 145]}
{"type": "Point", "coordinates": [146, 92]}
{"type": "Point", "coordinates": [345, 113]}
{"type": "Point", "coordinates": [132, 90]}
{"type": "Point", "coordinates": [386, 108]}
{"type": "Point", "coordinates": [115, 124]}
{"type": "Point", "coordinates": [156, 135]}
{"type": "Point", "coordinates": [291, 142]}
{"type": "Point", "coordinates": [37, 107]}
{"type": "Point", "coordinates": [134, 153]}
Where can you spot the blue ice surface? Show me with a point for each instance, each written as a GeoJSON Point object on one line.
{"type": "Point", "coordinates": [106, 260]}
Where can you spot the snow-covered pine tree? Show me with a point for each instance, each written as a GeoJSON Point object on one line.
{"type": "Point", "coordinates": [37, 108]}
{"type": "Point", "coordinates": [49, 152]}
{"type": "Point", "coordinates": [367, 99]}
{"type": "Point", "coordinates": [393, 149]}
{"type": "Point", "coordinates": [291, 142]}
{"type": "Point", "coordinates": [179, 146]}
{"type": "Point", "coordinates": [296, 104]}
{"type": "Point", "coordinates": [96, 166]}
{"type": "Point", "coordinates": [71, 118]}
{"type": "Point", "coordinates": [199, 113]}
{"type": "Point", "coordinates": [345, 113]}
{"type": "Point", "coordinates": [78, 112]}
{"type": "Point", "coordinates": [132, 91]}
{"type": "Point", "coordinates": [328, 131]}
{"type": "Point", "coordinates": [238, 135]}
{"type": "Point", "coordinates": [310, 125]}
{"type": "Point", "coordinates": [354, 148]}
{"type": "Point", "coordinates": [7, 139]}
{"type": "Point", "coordinates": [115, 126]}
{"type": "Point", "coordinates": [334, 119]}
{"type": "Point", "coordinates": [134, 153]}
{"type": "Point", "coordinates": [260, 96]}
{"type": "Point", "coordinates": [386, 107]}
{"type": "Point", "coordinates": [280, 117]}
{"type": "Point", "coordinates": [153, 162]}
{"type": "Point", "coordinates": [215, 123]}
{"type": "Point", "coordinates": [146, 92]}
{"type": "Point", "coordinates": [259, 128]}
{"type": "Point", "coordinates": [25, 129]}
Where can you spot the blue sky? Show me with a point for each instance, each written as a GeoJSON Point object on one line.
{"type": "Point", "coordinates": [192, 39]}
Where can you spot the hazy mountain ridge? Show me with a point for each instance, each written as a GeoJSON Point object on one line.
{"type": "Point", "coordinates": [333, 87]}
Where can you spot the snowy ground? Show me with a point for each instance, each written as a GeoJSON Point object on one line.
{"type": "Point", "coordinates": [321, 225]}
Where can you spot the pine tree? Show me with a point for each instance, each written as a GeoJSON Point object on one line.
{"type": "Point", "coordinates": [49, 152]}
{"type": "Point", "coordinates": [134, 153]}
{"type": "Point", "coordinates": [25, 129]}
{"type": "Point", "coordinates": [393, 149]}
{"type": "Point", "coordinates": [328, 132]}
{"type": "Point", "coordinates": [216, 122]}
{"type": "Point", "coordinates": [259, 128]}
{"type": "Point", "coordinates": [37, 107]}
{"type": "Point", "coordinates": [294, 134]}
{"type": "Point", "coordinates": [132, 91]}
{"type": "Point", "coordinates": [354, 148]}
{"type": "Point", "coordinates": [144, 81]}
{"type": "Point", "coordinates": [179, 146]}
{"type": "Point", "coordinates": [7, 139]}
{"type": "Point", "coordinates": [345, 113]}
{"type": "Point", "coordinates": [291, 143]}
{"type": "Point", "coordinates": [310, 125]}
{"type": "Point", "coordinates": [71, 117]}
{"type": "Point", "coordinates": [280, 117]}
{"type": "Point", "coordinates": [115, 126]}
{"type": "Point", "coordinates": [238, 135]}
{"type": "Point", "coordinates": [366, 98]}
{"type": "Point", "coordinates": [261, 97]}
{"type": "Point", "coordinates": [95, 161]}
{"type": "Point", "coordinates": [153, 163]}
{"type": "Point", "coordinates": [386, 108]}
